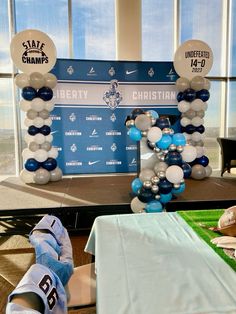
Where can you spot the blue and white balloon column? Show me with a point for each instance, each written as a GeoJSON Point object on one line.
{"type": "Point", "coordinates": [192, 61]}
{"type": "Point", "coordinates": [155, 187]}
{"type": "Point", "coordinates": [34, 53]}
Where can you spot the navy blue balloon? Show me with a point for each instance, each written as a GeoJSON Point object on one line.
{"type": "Point", "coordinates": [136, 112]}
{"type": "Point", "coordinates": [49, 164]}
{"type": "Point", "coordinates": [163, 123]}
{"type": "Point", "coordinates": [145, 195]}
{"type": "Point", "coordinates": [189, 95]}
{"type": "Point", "coordinates": [165, 186]}
{"type": "Point", "coordinates": [180, 96]}
{"type": "Point", "coordinates": [203, 94]}
{"type": "Point", "coordinates": [33, 130]}
{"type": "Point", "coordinates": [204, 161]}
{"type": "Point", "coordinates": [190, 129]}
{"type": "Point", "coordinates": [173, 158]}
{"type": "Point", "coordinates": [200, 129]}
{"type": "Point", "coordinates": [32, 165]}
{"type": "Point", "coordinates": [45, 93]}
{"type": "Point", "coordinates": [187, 169]}
{"type": "Point", "coordinates": [45, 130]}
{"type": "Point", "coordinates": [29, 93]}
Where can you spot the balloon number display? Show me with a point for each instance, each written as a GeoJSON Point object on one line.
{"type": "Point", "coordinates": [192, 61]}
{"type": "Point", "coordinates": [155, 187]}
{"type": "Point", "coordinates": [33, 52]}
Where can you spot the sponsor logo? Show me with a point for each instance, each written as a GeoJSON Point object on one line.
{"type": "Point", "coordinates": [53, 132]}
{"type": "Point", "coordinates": [93, 118]}
{"type": "Point", "coordinates": [91, 72]}
{"type": "Point", "coordinates": [73, 148]}
{"type": "Point", "coordinates": [113, 117]}
{"type": "Point", "coordinates": [111, 71]}
{"type": "Point", "coordinates": [131, 147]}
{"type": "Point", "coordinates": [112, 97]}
{"type": "Point", "coordinates": [113, 162]}
{"type": "Point", "coordinates": [93, 162]}
{"type": "Point", "coordinates": [94, 148]}
{"type": "Point", "coordinates": [34, 52]}
{"type": "Point", "coordinates": [70, 70]}
{"type": "Point", "coordinates": [127, 72]}
{"type": "Point", "coordinates": [171, 75]}
{"type": "Point", "coordinates": [151, 72]}
{"type": "Point", "coordinates": [133, 162]}
{"type": "Point", "coordinates": [73, 133]}
{"type": "Point", "coordinates": [74, 163]}
{"type": "Point", "coordinates": [72, 117]}
{"type": "Point", "coordinates": [113, 147]}
{"type": "Point", "coordinates": [113, 133]}
{"type": "Point", "coordinates": [55, 118]}
{"type": "Point", "coordinates": [94, 133]}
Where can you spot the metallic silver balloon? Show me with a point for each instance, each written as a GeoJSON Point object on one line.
{"type": "Point", "coordinates": [147, 184]}
{"type": "Point", "coordinates": [155, 189]}
{"type": "Point", "coordinates": [198, 172]}
{"type": "Point", "coordinates": [143, 122]}
{"type": "Point", "coordinates": [31, 114]}
{"type": "Point", "coordinates": [36, 80]}
{"type": "Point", "coordinates": [46, 146]}
{"type": "Point", "coordinates": [41, 176]}
{"type": "Point", "coordinates": [50, 80]}
{"type": "Point", "coordinates": [155, 180]}
{"type": "Point", "coordinates": [33, 146]}
{"type": "Point", "coordinates": [44, 114]}
{"type": "Point", "coordinates": [56, 174]}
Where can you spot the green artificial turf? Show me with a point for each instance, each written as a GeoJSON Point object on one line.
{"type": "Point", "coordinates": [200, 221]}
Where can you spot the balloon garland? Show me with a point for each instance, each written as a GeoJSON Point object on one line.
{"type": "Point", "coordinates": [154, 188]}
{"type": "Point", "coordinates": [194, 56]}
{"type": "Point", "coordinates": [33, 52]}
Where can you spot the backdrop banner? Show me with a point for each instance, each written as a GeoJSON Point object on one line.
{"type": "Point", "coordinates": [92, 101]}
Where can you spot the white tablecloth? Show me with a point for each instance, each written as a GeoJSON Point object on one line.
{"type": "Point", "coordinates": [156, 264]}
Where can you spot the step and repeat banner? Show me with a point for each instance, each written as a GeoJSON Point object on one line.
{"type": "Point", "coordinates": [92, 101]}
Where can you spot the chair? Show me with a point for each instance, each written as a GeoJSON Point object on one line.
{"type": "Point", "coordinates": [228, 153]}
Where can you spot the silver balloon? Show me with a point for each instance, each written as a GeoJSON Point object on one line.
{"type": "Point", "coordinates": [143, 122]}
{"type": "Point", "coordinates": [44, 114]}
{"type": "Point", "coordinates": [155, 180]}
{"type": "Point", "coordinates": [197, 83]}
{"type": "Point", "coordinates": [190, 114]}
{"type": "Point", "coordinates": [129, 123]}
{"type": "Point", "coordinates": [22, 80]}
{"type": "Point", "coordinates": [155, 189]}
{"type": "Point", "coordinates": [33, 146]}
{"type": "Point", "coordinates": [36, 80]}
{"type": "Point", "coordinates": [56, 174]}
{"type": "Point", "coordinates": [208, 170]}
{"type": "Point", "coordinates": [27, 176]}
{"type": "Point", "coordinates": [137, 206]}
{"type": "Point", "coordinates": [201, 113]}
{"type": "Point", "coordinates": [46, 146]}
{"type": "Point", "coordinates": [182, 84]}
{"type": "Point", "coordinates": [207, 84]}
{"type": "Point", "coordinates": [146, 174]}
{"type": "Point", "coordinates": [50, 80]}
{"type": "Point", "coordinates": [41, 176]}
{"type": "Point", "coordinates": [198, 172]}
{"type": "Point", "coordinates": [31, 114]}
{"type": "Point", "coordinates": [147, 184]}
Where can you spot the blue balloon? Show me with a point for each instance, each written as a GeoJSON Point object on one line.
{"type": "Point", "coordinates": [200, 129]}
{"type": "Point", "coordinates": [145, 195]}
{"type": "Point", "coordinates": [45, 130]}
{"type": "Point", "coordinates": [163, 123]}
{"type": "Point", "coordinates": [136, 185]}
{"type": "Point", "coordinates": [154, 114]}
{"type": "Point", "coordinates": [203, 160]}
{"type": "Point", "coordinates": [33, 130]}
{"type": "Point", "coordinates": [179, 190]}
{"type": "Point", "coordinates": [203, 94]}
{"type": "Point", "coordinates": [154, 207]}
{"type": "Point", "coordinates": [135, 134]}
{"type": "Point", "coordinates": [165, 198]}
{"type": "Point", "coordinates": [32, 165]}
{"type": "Point", "coordinates": [180, 96]}
{"type": "Point", "coordinates": [173, 158]}
{"type": "Point", "coordinates": [179, 139]}
{"type": "Point", "coordinates": [49, 164]}
{"type": "Point", "coordinates": [165, 186]}
{"type": "Point", "coordinates": [189, 95]}
{"type": "Point", "coordinates": [187, 169]}
{"type": "Point", "coordinates": [29, 93]}
{"type": "Point", "coordinates": [190, 129]}
{"type": "Point", "coordinates": [164, 142]}
{"type": "Point", "coordinates": [45, 93]}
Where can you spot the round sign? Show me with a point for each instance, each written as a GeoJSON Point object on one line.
{"type": "Point", "coordinates": [193, 58]}
{"type": "Point", "coordinates": [33, 51]}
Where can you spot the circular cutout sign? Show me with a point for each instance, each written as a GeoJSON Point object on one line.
{"type": "Point", "coordinates": [193, 58]}
{"type": "Point", "coordinates": [33, 51]}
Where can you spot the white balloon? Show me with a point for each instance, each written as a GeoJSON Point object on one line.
{"type": "Point", "coordinates": [207, 84]}
{"type": "Point", "coordinates": [37, 80]}
{"type": "Point", "coordinates": [182, 83]}
{"type": "Point", "coordinates": [41, 155]}
{"type": "Point", "coordinates": [22, 80]}
{"type": "Point", "coordinates": [38, 122]}
{"type": "Point", "coordinates": [28, 122]}
{"type": "Point", "coordinates": [137, 206]}
{"type": "Point", "coordinates": [146, 174]}
{"type": "Point", "coordinates": [27, 176]}
{"type": "Point", "coordinates": [185, 121]}
{"type": "Point", "coordinates": [196, 136]}
{"type": "Point", "coordinates": [174, 174]}
{"type": "Point", "coordinates": [160, 166]}
{"type": "Point", "coordinates": [208, 170]}
{"type": "Point", "coordinates": [197, 83]}
{"type": "Point", "coordinates": [189, 153]}
{"type": "Point", "coordinates": [33, 51]}
{"type": "Point", "coordinates": [143, 122]}
{"type": "Point", "coordinates": [193, 57]}
{"type": "Point", "coordinates": [49, 105]}
{"type": "Point", "coordinates": [49, 138]}
{"type": "Point", "coordinates": [39, 138]}
{"type": "Point", "coordinates": [154, 134]}
{"type": "Point", "coordinates": [28, 138]}
{"type": "Point", "coordinates": [183, 106]}
{"type": "Point", "coordinates": [205, 106]}
{"type": "Point", "coordinates": [50, 80]}
{"type": "Point", "coordinates": [48, 121]}
{"type": "Point", "coordinates": [197, 104]}
{"type": "Point", "coordinates": [53, 153]}
{"type": "Point", "coordinates": [25, 105]}
{"type": "Point", "coordinates": [27, 153]}
{"type": "Point", "coordinates": [197, 121]}
{"type": "Point", "coordinates": [37, 104]}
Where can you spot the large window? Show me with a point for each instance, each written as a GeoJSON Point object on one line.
{"type": "Point", "coordinates": [85, 29]}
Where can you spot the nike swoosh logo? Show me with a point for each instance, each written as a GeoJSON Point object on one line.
{"type": "Point", "coordinates": [130, 72]}
{"type": "Point", "coordinates": [93, 162]}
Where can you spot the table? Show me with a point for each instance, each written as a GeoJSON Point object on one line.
{"type": "Point", "coordinates": [156, 264]}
